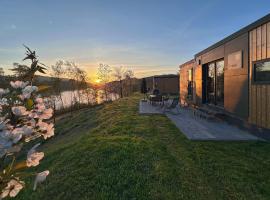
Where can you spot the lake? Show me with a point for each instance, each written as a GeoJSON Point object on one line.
{"type": "Point", "coordinates": [71, 97]}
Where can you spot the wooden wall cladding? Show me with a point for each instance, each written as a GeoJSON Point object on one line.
{"type": "Point", "coordinates": [259, 95]}
{"type": "Point", "coordinates": [167, 85]}
{"type": "Point", "coordinates": [183, 84]}
{"type": "Point", "coordinates": [183, 77]}
{"type": "Point", "coordinates": [198, 84]}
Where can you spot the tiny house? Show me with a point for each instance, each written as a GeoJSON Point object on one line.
{"type": "Point", "coordinates": [233, 74]}
{"type": "Point", "coordinates": [166, 84]}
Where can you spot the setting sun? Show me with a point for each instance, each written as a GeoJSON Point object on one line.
{"type": "Point", "coordinates": [97, 81]}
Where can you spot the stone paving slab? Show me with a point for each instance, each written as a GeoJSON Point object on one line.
{"type": "Point", "coordinates": [147, 108]}
{"type": "Point", "coordinates": [195, 128]}
{"type": "Point", "coordinates": [201, 129]}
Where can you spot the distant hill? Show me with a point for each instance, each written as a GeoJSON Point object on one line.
{"type": "Point", "coordinates": [46, 79]}
{"type": "Point", "coordinates": [66, 84]}
{"type": "Point", "coordinates": [38, 80]}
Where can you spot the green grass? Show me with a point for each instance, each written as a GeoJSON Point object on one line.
{"type": "Point", "coordinates": [111, 152]}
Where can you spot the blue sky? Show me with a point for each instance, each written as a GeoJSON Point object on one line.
{"type": "Point", "coordinates": [148, 36]}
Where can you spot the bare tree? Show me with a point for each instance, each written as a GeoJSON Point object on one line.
{"type": "Point", "coordinates": [119, 74]}
{"type": "Point", "coordinates": [2, 74]}
{"type": "Point", "coordinates": [95, 94]}
{"type": "Point", "coordinates": [19, 70]}
{"type": "Point", "coordinates": [84, 88]}
{"type": "Point", "coordinates": [91, 93]}
{"type": "Point", "coordinates": [57, 73]}
{"type": "Point", "coordinates": [104, 74]}
{"type": "Point", "coordinates": [129, 74]}
{"type": "Point", "coordinates": [77, 79]}
{"type": "Point", "coordinates": [87, 92]}
{"type": "Point", "coordinates": [71, 74]}
{"type": "Point", "coordinates": [81, 82]}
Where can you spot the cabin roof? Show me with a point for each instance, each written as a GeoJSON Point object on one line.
{"type": "Point", "coordinates": [187, 63]}
{"type": "Point", "coordinates": [246, 29]}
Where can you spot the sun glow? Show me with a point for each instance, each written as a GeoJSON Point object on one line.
{"type": "Point", "coordinates": [97, 81]}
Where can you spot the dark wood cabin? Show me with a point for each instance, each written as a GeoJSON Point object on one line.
{"type": "Point", "coordinates": [233, 74]}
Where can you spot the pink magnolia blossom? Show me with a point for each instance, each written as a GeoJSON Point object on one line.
{"type": "Point", "coordinates": [18, 84]}
{"type": "Point", "coordinates": [5, 142]}
{"type": "Point", "coordinates": [15, 135]}
{"type": "Point", "coordinates": [39, 100]}
{"type": "Point", "coordinates": [19, 110]}
{"type": "Point", "coordinates": [28, 125]}
{"type": "Point", "coordinates": [33, 115]}
{"type": "Point", "coordinates": [41, 113]}
{"type": "Point", "coordinates": [12, 189]}
{"type": "Point", "coordinates": [32, 123]}
{"type": "Point", "coordinates": [3, 91]}
{"type": "Point", "coordinates": [41, 177]}
{"type": "Point", "coordinates": [47, 114]}
{"type": "Point", "coordinates": [27, 91]}
{"type": "Point", "coordinates": [41, 107]}
{"type": "Point", "coordinates": [27, 130]}
{"type": "Point", "coordinates": [34, 157]}
{"type": "Point", "coordinates": [8, 137]}
{"type": "Point", "coordinates": [48, 129]}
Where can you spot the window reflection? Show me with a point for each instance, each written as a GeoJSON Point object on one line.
{"type": "Point", "coordinates": [215, 83]}
{"type": "Point", "coordinates": [220, 82]}
{"type": "Point", "coordinates": [262, 72]}
{"type": "Point", "coordinates": [211, 83]}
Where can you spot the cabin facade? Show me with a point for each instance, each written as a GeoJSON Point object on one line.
{"type": "Point", "coordinates": [166, 84]}
{"type": "Point", "coordinates": [233, 75]}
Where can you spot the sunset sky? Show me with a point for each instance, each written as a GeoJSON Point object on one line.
{"type": "Point", "coordinates": [148, 36]}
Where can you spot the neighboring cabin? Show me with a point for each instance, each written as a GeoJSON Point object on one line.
{"type": "Point", "coordinates": [233, 74]}
{"type": "Point", "coordinates": [166, 84]}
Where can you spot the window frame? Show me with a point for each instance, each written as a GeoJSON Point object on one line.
{"type": "Point", "coordinates": [255, 82]}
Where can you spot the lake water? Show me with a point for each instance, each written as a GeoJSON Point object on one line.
{"type": "Point", "coordinates": [71, 97]}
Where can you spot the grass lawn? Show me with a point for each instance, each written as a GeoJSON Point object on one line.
{"type": "Point", "coordinates": [111, 152]}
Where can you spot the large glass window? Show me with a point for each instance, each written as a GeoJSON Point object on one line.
{"type": "Point", "coordinates": [215, 83]}
{"type": "Point", "coordinates": [220, 82]}
{"type": "Point", "coordinates": [262, 71]}
{"type": "Point", "coordinates": [190, 83]}
{"type": "Point", "coordinates": [211, 83]}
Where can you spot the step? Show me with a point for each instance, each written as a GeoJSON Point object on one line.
{"type": "Point", "coordinates": [204, 115]}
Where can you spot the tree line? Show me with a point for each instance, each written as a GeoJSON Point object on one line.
{"type": "Point", "coordinates": [67, 75]}
{"type": "Point", "coordinates": [117, 80]}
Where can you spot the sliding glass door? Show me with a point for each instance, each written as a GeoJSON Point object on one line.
{"type": "Point", "coordinates": [220, 83]}
{"type": "Point", "coordinates": [215, 83]}
{"type": "Point", "coordinates": [211, 83]}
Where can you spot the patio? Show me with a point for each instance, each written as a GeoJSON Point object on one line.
{"type": "Point", "coordinates": [146, 108]}
{"type": "Point", "coordinates": [195, 128]}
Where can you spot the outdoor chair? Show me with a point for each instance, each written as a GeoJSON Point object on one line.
{"type": "Point", "coordinates": [174, 105]}
{"type": "Point", "coordinates": [165, 99]}
{"type": "Point", "coordinates": [155, 99]}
